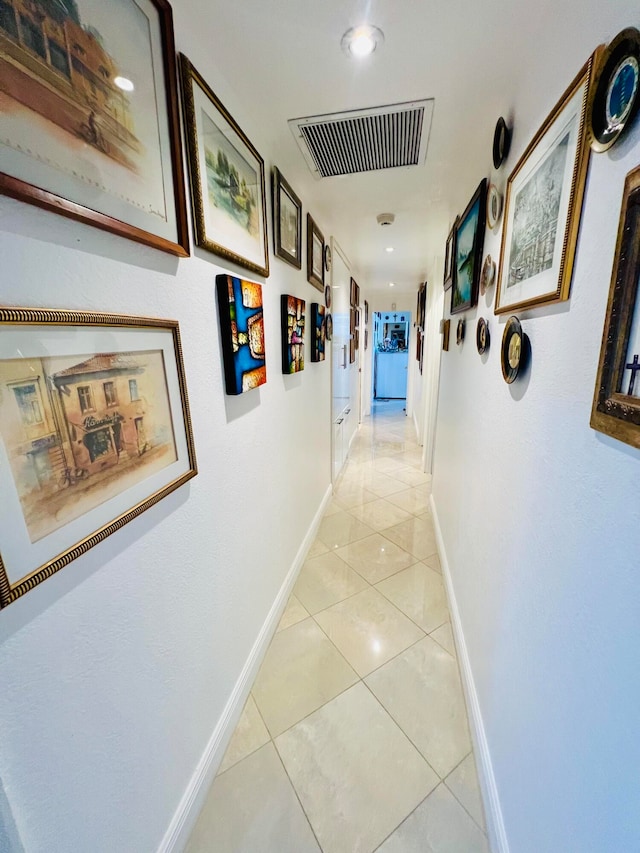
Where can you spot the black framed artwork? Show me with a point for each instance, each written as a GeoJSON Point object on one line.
{"type": "Point", "coordinates": [467, 254]}
{"type": "Point", "coordinates": [315, 254]}
{"type": "Point", "coordinates": [287, 221]}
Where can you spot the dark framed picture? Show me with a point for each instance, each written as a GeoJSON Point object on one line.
{"type": "Point", "coordinates": [448, 257]}
{"type": "Point", "coordinates": [366, 312]}
{"type": "Point", "coordinates": [616, 402]}
{"type": "Point", "coordinates": [421, 306]}
{"type": "Point", "coordinates": [90, 125]}
{"type": "Point", "coordinates": [94, 430]}
{"type": "Point", "coordinates": [227, 178]}
{"type": "Point", "coordinates": [543, 207]}
{"type": "Point", "coordinates": [467, 254]}
{"type": "Point", "coordinates": [287, 221]}
{"type": "Point", "coordinates": [315, 254]}
{"type": "Point", "coordinates": [354, 293]}
{"type": "Point", "coordinates": [318, 332]}
{"type": "Point", "coordinates": [292, 327]}
{"type": "Point", "coordinates": [242, 333]}
{"type": "Point", "coordinates": [366, 338]}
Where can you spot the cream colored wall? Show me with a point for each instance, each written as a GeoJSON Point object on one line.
{"type": "Point", "coordinates": [540, 518]}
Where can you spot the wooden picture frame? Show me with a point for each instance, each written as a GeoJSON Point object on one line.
{"type": "Point", "coordinates": [287, 221]}
{"type": "Point", "coordinates": [315, 254]}
{"type": "Point", "coordinates": [79, 138]}
{"type": "Point", "coordinates": [354, 293]}
{"type": "Point", "coordinates": [94, 430]}
{"type": "Point", "coordinates": [616, 402]}
{"type": "Point", "coordinates": [467, 251]}
{"type": "Point", "coordinates": [543, 206]}
{"type": "Point", "coordinates": [448, 257]}
{"type": "Point", "coordinates": [227, 181]}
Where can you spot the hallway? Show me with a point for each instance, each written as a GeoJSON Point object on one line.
{"type": "Point", "coordinates": [355, 735]}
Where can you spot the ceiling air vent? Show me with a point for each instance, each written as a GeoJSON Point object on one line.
{"type": "Point", "coordinates": [365, 140]}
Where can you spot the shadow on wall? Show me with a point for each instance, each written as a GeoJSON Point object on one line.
{"type": "Point", "coordinates": [9, 838]}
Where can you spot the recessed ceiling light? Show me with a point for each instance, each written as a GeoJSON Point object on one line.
{"type": "Point", "coordinates": [392, 284]}
{"type": "Point", "coordinates": [124, 84]}
{"type": "Point", "coordinates": [361, 41]}
{"type": "Point", "coordinates": [389, 249]}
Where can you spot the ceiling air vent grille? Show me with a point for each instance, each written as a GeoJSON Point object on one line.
{"type": "Point", "coordinates": [365, 140]}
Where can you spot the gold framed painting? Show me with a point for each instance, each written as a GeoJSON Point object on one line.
{"type": "Point", "coordinates": [227, 178]}
{"type": "Point", "coordinates": [543, 206]}
{"type": "Point", "coordinates": [616, 402]}
{"type": "Point", "coordinates": [94, 430]}
{"type": "Point", "coordinates": [90, 124]}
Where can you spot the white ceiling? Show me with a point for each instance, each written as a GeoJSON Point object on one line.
{"type": "Point", "coordinates": [282, 59]}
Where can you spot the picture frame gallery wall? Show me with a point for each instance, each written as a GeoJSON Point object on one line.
{"type": "Point", "coordinates": [98, 624]}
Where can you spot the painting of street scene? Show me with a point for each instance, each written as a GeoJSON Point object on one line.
{"type": "Point", "coordinates": [79, 430]}
{"type": "Point", "coordinates": [535, 217]}
{"type": "Point", "coordinates": [78, 94]}
{"type": "Point", "coordinates": [231, 182]}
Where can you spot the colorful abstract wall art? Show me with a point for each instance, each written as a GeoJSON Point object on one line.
{"type": "Point", "coordinates": [242, 333]}
{"type": "Point", "coordinates": [318, 332]}
{"type": "Point", "coordinates": [293, 323]}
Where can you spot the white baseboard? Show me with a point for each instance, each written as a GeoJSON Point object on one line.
{"type": "Point", "coordinates": [186, 814]}
{"type": "Point", "coordinates": [486, 778]}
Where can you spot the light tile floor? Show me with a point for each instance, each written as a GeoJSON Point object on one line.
{"type": "Point", "coordinates": [355, 737]}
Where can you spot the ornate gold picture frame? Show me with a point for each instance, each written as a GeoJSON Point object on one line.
{"type": "Point", "coordinates": [94, 430]}
{"type": "Point", "coordinates": [543, 206]}
{"type": "Point", "coordinates": [616, 402]}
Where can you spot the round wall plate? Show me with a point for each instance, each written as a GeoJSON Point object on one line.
{"type": "Point", "coordinates": [501, 143]}
{"type": "Point", "coordinates": [327, 296]}
{"type": "Point", "coordinates": [494, 206]}
{"type": "Point", "coordinates": [327, 257]}
{"type": "Point", "coordinates": [512, 350]}
{"type": "Point", "coordinates": [488, 275]}
{"type": "Point", "coordinates": [460, 331]}
{"type": "Point", "coordinates": [482, 336]}
{"type": "Point", "coordinates": [328, 327]}
{"type": "Point", "coordinates": [615, 92]}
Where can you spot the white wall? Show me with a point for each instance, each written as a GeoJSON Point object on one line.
{"type": "Point", "coordinates": [116, 671]}
{"type": "Point", "coordinates": [540, 519]}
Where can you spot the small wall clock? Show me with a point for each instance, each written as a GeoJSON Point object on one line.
{"type": "Point", "coordinates": [328, 327]}
{"type": "Point", "coordinates": [460, 332]}
{"type": "Point", "coordinates": [327, 257]}
{"type": "Point", "coordinates": [512, 355]}
{"type": "Point", "coordinates": [615, 94]}
{"type": "Point", "coordinates": [482, 336]}
{"type": "Point", "coordinates": [327, 296]}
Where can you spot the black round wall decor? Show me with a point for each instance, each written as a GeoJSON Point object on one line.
{"type": "Point", "coordinates": [614, 98]}
{"type": "Point", "coordinates": [483, 338]}
{"type": "Point", "coordinates": [513, 350]}
{"type": "Point", "coordinates": [501, 143]}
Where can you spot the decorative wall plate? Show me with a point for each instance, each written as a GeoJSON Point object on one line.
{"type": "Point", "coordinates": [328, 327]}
{"type": "Point", "coordinates": [615, 93]}
{"type": "Point", "coordinates": [501, 143]}
{"type": "Point", "coordinates": [327, 296]}
{"type": "Point", "coordinates": [460, 331]}
{"type": "Point", "coordinates": [327, 257]}
{"type": "Point", "coordinates": [494, 206]}
{"type": "Point", "coordinates": [482, 336]}
{"type": "Point", "coordinates": [488, 276]}
{"type": "Point", "coordinates": [512, 352]}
